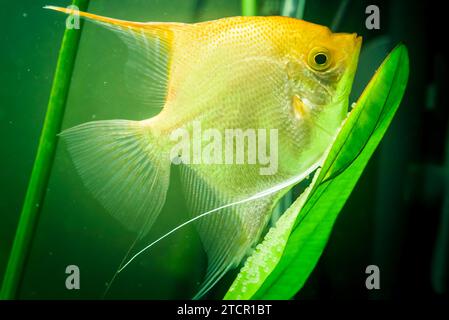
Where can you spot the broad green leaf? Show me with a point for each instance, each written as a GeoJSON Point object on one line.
{"type": "Point", "coordinates": [282, 263]}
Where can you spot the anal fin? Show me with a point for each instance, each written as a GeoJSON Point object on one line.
{"type": "Point", "coordinates": [228, 233]}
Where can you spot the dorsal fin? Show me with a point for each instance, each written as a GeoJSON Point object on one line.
{"type": "Point", "coordinates": [149, 45]}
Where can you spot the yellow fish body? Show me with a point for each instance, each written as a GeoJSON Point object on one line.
{"type": "Point", "coordinates": [268, 74]}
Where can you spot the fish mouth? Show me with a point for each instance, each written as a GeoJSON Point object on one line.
{"type": "Point", "coordinates": [354, 61]}
{"type": "Point", "coordinates": [357, 48]}
{"type": "Point", "coordinates": [352, 44]}
{"type": "Point", "coordinates": [348, 77]}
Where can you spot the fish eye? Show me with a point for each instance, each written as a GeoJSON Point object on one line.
{"type": "Point", "coordinates": [319, 59]}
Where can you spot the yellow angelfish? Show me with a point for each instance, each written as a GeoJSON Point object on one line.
{"type": "Point", "coordinates": [286, 79]}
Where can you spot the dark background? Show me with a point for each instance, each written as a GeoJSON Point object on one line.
{"type": "Point", "coordinates": [397, 218]}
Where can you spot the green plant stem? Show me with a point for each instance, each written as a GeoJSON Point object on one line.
{"type": "Point", "coordinates": [300, 9]}
{"type": "Point", "coordinates": [294, 8]}
{"type": "Point", "coordinates": [339, 15]}
{"type": "Point", "coordinates": [249, 7]}
{"type": "Point", "coordinates": [44, 159]}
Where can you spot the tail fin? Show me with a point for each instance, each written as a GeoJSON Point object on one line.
{"type": "Point", "coordinates": [122, 164]}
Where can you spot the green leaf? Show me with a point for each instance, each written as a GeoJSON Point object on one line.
{"type": "Point", "coordinates": [282, 263]}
